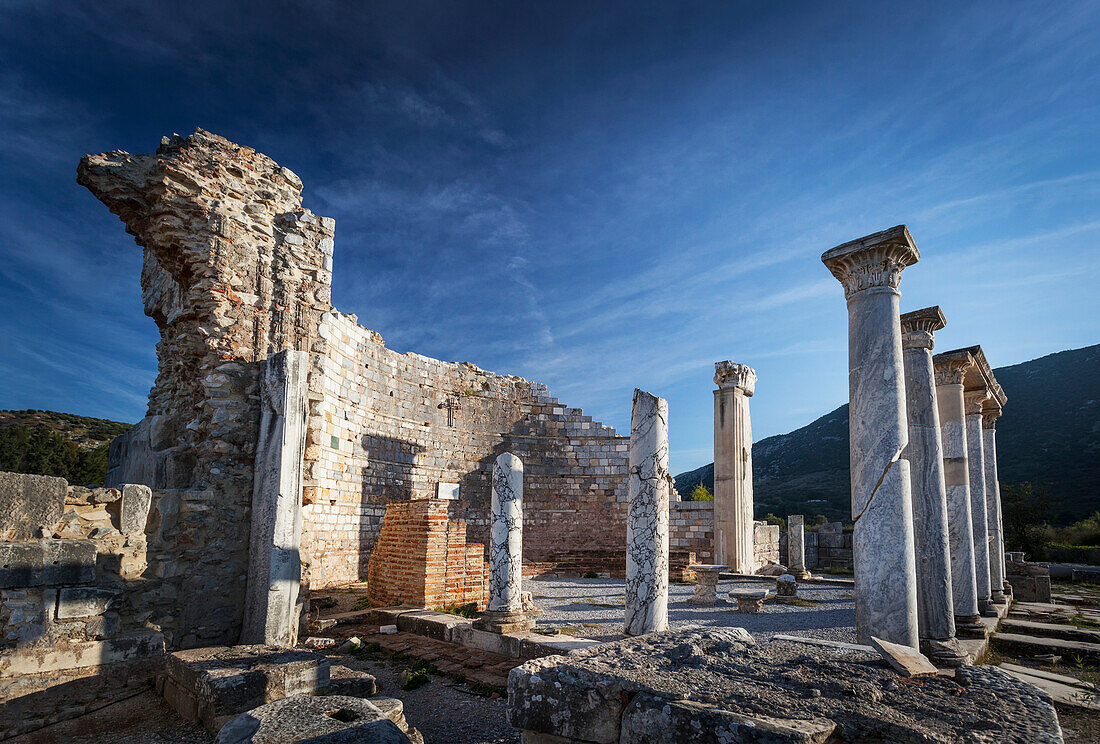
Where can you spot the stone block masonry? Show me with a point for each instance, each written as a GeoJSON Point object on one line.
{"type": "Point", "coordinates": [691, 528]}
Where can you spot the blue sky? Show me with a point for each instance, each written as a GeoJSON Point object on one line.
{"type": "Point", "coordinates": [599, 196]}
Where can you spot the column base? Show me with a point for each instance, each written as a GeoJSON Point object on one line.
{"type": "Point", "coordinates": [970, 626]}
{"type": "Point", "coordinates": [504, 622]}
{"type": "Point", "coordinates": [998, 597]}
{"type": "Point", "coordinates": [1008, 590]}
{"type": "Point", "coordinates": [947, 653]}
{"type": "Point", "coordinates": [800, 574]}
{"type": "Point", "coordinates": [986, 608]}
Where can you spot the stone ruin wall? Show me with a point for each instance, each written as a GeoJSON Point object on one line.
{"type": "Point", "coordinates": [387, 427]}
{"type": "Point", "coordinates": [691, 529]}
{"type": "Point", "coordinates": [234, 271]}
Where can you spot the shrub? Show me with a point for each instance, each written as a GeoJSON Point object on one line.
{"type": "Point", "coordinates": [701, 493]}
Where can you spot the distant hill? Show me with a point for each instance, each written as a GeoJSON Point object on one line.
{"type": "Point", "coordinates": [1049, 433]}
{"type": "Point", "coordinates": [62, 444]}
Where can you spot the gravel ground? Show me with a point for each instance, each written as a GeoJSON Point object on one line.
{"type": "Point", "coordinates": [593, 608]}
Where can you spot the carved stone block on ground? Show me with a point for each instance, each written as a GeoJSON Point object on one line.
{"type": "Point", "coordinates": [329, 719]}
{"type": "Point", "coordinates": [211, 685]}
{"type": "Point", "coordinates": [711, 685]}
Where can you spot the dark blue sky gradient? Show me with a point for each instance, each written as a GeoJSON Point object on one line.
{"type": "Point", "coordinates": [594, 195]}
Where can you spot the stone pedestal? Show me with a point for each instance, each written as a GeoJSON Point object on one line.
{"type": "Point", "coordinates": [975, 453]}
{"type": "Point", "coordinates": [786, 587]}
{"type": "Point", "coordinates": [647, 517]}
{"type": "Point", "coordinates": [733, 507]}
{"type": "Point", "coordinates": [796, 546]}
{"type": "Point", "coordinates": [505, 611]}
{"type": "Point", "coordinates": [935, 613]}
{"type": "Point", "coordinates": [990, 414]}
{"type": "Point", "coordinates": [706, 584]}
{"type": "Point", "coordinates": [749, 600]}
{"type": "Point", "coordinates": [950, 370]}
{"type": "Point", "coordinates": [271, 609]}
{"type": "Point", "coordinates": [886, 589]}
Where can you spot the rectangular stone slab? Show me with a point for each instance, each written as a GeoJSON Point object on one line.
{"type": "Point", "coordinates": [909, 662]}
{"type": "Point", "coordinates": [1038, 645]}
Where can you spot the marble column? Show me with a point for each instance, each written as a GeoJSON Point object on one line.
{"type": "Point", "coordinates": [950, 371]}
{"type": "Point", "coordinates": [935, 614]}
{"type": "Point", "coordinates": [990, 413]}
{"type": "Point", "coordinates": [733, 515]}
{"type": "Point", "coordinates": [272, 609]}
{"type": "Point", "coordinates": [796, 547]}
{"type": "Point", "coordinates": [647, 517]}
{"type": "Point", "coordinates": [975, 455]}
{"type": "Point", "coordinates": [505, 612]}
{"type": "Point", "coordinates": [885, 572]}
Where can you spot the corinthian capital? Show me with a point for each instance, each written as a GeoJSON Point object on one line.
{"type": "Point", "coordinates": [872, 261]}
{"type": "Point", "coordinates": [918, 328]}
{"type": "Point", "coordinates": [974, 400]}
{"type": "Point", "coordinates": [951, 367]}
{"type": "Point", "coordinates": [990, 414]}
{"type": "Point", "coordinates": [733, 375]}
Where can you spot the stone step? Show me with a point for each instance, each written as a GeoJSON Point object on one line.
{"type": "Point", "coordinates": [1030, 644]}
{"type": "Point", "coordinates": [1050, 630]}
{"type": "Point", "coordinates": [1061, 693]}
{"type": "Point", "coordinates": [1052, 676]}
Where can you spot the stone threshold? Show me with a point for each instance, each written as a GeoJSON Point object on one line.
{"type": "Point", "coordinates": [977, 647]}
{"type": "Point", "coordinates": [442, 626]}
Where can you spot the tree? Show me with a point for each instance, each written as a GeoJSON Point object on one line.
{"type": "Point", "coordinates": [701, 493]}
{"type": "Point", "coordinates": [1025, 510]}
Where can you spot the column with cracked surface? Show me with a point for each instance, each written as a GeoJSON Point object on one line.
{"type": "Point", "coordinates": [796, 547]}
{"type": "Point", "coordinates": [647, 517]}
{"type": "Point", "coordinates": [886, 592]}
{"type": "Point", "coordinates": [733, 503]}
{"type": "Point", "coordinates": [990, 413]}
{"type": "Point", "coordinates": [975, 455]}
{"type": "Point", "coordinates": [935, 614]}
{"type": "Point", "coordinates": [950, 369]}
{"type": "Point", "coordinates": [505, 610]}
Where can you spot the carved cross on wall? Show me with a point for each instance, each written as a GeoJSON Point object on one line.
{"type": "Point", "coordinates": [452, 406]}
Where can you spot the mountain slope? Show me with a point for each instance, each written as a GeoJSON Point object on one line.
{"type": "Point", "coordinates": [1049, 433]}
{"type": "Point", "coordinates": [62, 444]}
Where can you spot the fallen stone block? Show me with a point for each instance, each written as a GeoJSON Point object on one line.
{"type": "Point", "coordinates": [350, 682]}
{"type": "Point", "coordinates": [131, 512]}
{"type": "Point", "coordinates": [717, 686]}
{"type": "Point", "coordinates": [328, 719]}
{"type": "Point", "coordinates": [907, 661]}
{"type": "Point", "coordinates": [212, 685]}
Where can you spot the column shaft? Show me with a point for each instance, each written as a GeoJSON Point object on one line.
{"type": "Point", "coordinates": [796, 546]}
{"type": "Point", "coordinates": [506, 535]}
{"type": "Point", "coordinates": [647, 517]}
{"type": "Point", "coordinates": [976, 466]}
{"type": "Point", "coordinates": [993, 511]}
{"type": "Point", "coordinates": [733, 500]}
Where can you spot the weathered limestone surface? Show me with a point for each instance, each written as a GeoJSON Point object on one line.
{"type": "Point", "coordinates": [886, 594]}
{"type": "Point", "coordinates": [935, 600]}
{"type": "Point", "coordinates": [796, 546]}
{"type": "Point", "coordinates": [712, 685]}
{"type": "Point", "coordinates": [30, 504]}
{"type": "Point", "coordinates": [990, 414]}
{"type": "Point", "coordinates": [950, 369]}
{"type": "Point", "coordinates": [975, 454]}
{"type": "Point", "coordinates": [733, 502]}
{"type": "Point", "coordinates": [326, 719]}
{"type": "Point", "coordinates": [272, 608]}
{"type": "Point", "coordinates": [647, 518]}
{"type": "Point", "coordinates": [706, 583]}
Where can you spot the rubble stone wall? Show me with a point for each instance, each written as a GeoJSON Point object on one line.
{"type": "Point", "coordinates": [691, 528]}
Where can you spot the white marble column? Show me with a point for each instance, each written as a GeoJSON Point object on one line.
{"type": "Point", "coordinates": [975, 454]}
{"type": "Point", "coordinates": [990, 414]}
{"type": "Point", "coordinates": [950, 371]}
{"type": "Point", "coordinates": [647, 517]}
{"type": "Point", "coordinates": [272, 610]}
{"type": "Point", "coordinates": [506, 535]}
{"type": "Point", "coordinates": [796, 547]}
{"type": "Point", "coordinates": [935, 613]}
{"type": "Point", "coordinates": [886, 585]}
{"type": "Point", "coordinates": [733, 508]}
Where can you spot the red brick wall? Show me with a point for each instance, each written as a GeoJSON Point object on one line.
{"type": "Point", "coordinates": [422, 558]}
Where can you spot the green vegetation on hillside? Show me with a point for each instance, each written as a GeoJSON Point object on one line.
{"type": "Point", "coordinates": [59, 444]}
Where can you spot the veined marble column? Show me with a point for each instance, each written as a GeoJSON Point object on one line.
{"type": "Point", "coordinates": [733, 517]}
{"type": "Point", "coordinates": [974, 400]}
{"type": "Point", "coordinates": [886, 583]}
{"type": "Point", "coordinates": [990, 414]}
{"type": "Point", "coordinates": [935, 613]}
{"type": "Point", "coordinates": [505, 611]}
{"type": "Point", "coordinates": [647, 517]}
{"type": "Point", "coordinates": [796, 547]}
{"type": "Point", "coordinates": [950, 371]}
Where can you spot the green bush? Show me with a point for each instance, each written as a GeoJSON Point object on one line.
{"type": "Point", "coordinates": [1062, 553]}
{"type": "Point", "coordinates": [701, 493]}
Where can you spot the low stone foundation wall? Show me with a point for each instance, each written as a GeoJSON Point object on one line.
{"type": "Point", "coordinates": [1030, 582]}
{"type": "Point", "coordinates": [75, 617]}
{"type": "Point", "coordinates": [422, 558]}
{"type": "Point", "coordinates": [829, 546]}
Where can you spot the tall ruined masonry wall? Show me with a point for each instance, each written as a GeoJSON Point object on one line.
{"type": "Point", "coordinates": [236, 270]}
